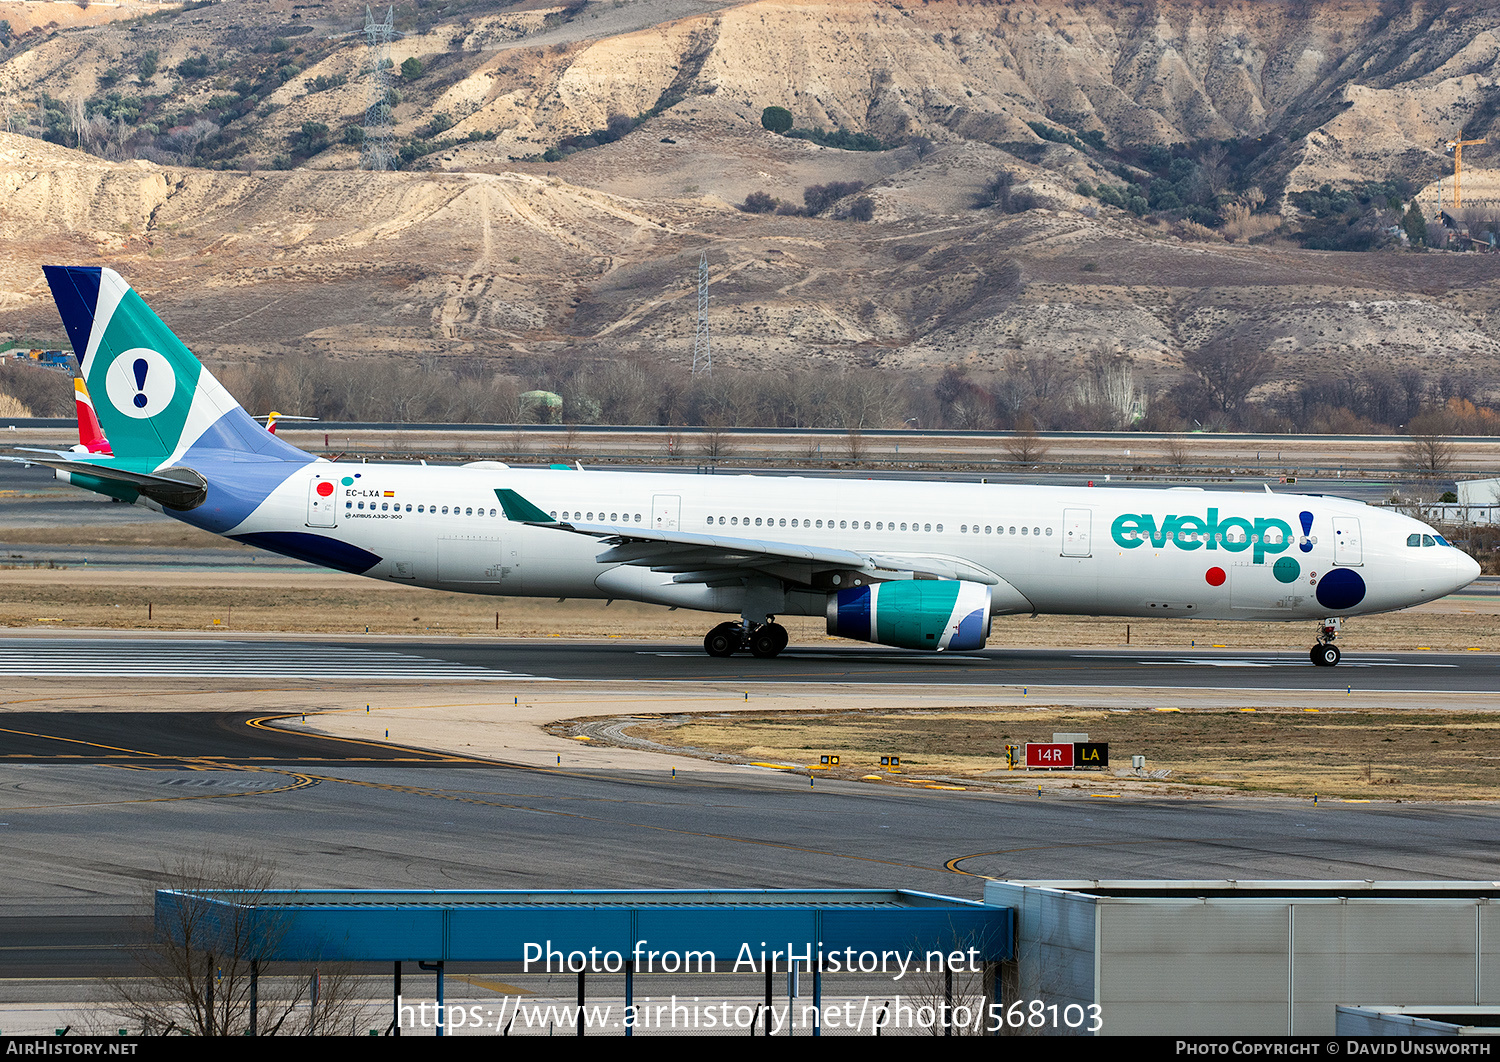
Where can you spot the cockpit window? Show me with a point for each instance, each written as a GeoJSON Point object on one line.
{"type": "Point", "coordinates": [1441, 541]}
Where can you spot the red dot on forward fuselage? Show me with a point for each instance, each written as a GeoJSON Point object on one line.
{"type": "Point", "coordinates": [325, 488]}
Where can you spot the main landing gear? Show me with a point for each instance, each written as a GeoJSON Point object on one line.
{"type": "Point", "coordinates": [762, 639]}
{"type": "Point", "coordinates": [1325, 653]}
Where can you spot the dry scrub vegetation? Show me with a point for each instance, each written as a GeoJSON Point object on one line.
{"type": "Point", "coordinates": [1350, 753]}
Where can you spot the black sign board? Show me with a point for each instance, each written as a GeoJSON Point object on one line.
{"type": "Point", "coordinates": [1091, 754]}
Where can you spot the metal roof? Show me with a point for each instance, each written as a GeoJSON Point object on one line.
{"type": "Point", "coordinates": [500, 926]}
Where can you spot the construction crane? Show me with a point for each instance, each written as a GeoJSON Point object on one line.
{"type": "Point", "coordinates": [1457, 147]}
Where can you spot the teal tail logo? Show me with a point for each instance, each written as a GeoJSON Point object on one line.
{"type": "Point", "coordinates": [154, 399]}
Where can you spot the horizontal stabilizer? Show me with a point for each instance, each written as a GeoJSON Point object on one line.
{"type": "Point", "coordinates": [176, 488]}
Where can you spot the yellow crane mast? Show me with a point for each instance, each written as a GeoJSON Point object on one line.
{"type": "Point", "coordinates": [1457, 147]}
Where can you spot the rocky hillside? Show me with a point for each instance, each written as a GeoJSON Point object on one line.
{"type": "Point", "coordinates": [1038, 180]}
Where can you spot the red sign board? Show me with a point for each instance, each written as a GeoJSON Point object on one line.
{"type": "Point", "coordinates": [1049, 755]}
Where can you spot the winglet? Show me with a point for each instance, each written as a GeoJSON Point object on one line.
{"type": "Point", "coordinates": [520, 510]}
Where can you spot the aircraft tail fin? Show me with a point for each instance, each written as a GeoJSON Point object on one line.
{"type": "Point", "coordinates": [154, 400]}
{"type": "Point", "coordinates": [90, 435]}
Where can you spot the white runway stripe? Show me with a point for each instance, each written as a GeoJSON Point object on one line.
{"type": "Point", "coordinates": [78, 658]}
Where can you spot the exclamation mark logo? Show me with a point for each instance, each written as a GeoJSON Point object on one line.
{"type": "Point", "coordinates": [139, 383]}
{"type": "Point", "coordinates": [1307, 521]}
{"type": "Point", "coordinates": [140, 368]}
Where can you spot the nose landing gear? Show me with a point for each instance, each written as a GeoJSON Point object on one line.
{"type": "Point", "coordinates": [764, 640]}
{"type": "Point", "coordinates": [1325, 653]}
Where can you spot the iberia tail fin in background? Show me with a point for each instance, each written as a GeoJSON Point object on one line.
{"type": "Point", "coordinates": [156, 403]}
{"type": "Point", "coordinates": [91, 438]}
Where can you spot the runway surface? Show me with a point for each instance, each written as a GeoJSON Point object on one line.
{"type": "Point", "coordinates": [188, 741]}
{"type": "Point", "coordinates": [96, 807]}
{"type": "Point", "coordinates": [87, 841]}
{"type": "Point", "coordinates": [384, 660]}
{"type": "Point", "coordinates": [228, 658]}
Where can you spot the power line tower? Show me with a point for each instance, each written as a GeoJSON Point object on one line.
{"type": "Point", "coordinates": [703, 357]}
{"type": "Point", "coordinates": [377, 153]}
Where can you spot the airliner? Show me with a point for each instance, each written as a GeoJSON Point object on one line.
{"type": "Point", "coordinates": [920, 566]}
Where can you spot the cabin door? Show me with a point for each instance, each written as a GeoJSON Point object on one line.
{"type": "Point", "coordinates": [666, 511]}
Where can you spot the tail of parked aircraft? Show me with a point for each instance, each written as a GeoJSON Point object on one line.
{"type": "Point", "coordinates": [156, 403]}
{"type": "Point", "coordinates": [91, 439]}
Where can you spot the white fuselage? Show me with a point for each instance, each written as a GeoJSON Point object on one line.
{"type": "Point", "coordinates": [1068, 550]}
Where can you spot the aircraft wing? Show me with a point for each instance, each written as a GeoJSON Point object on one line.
{"type": "Point", "coordinates": [725, 560]}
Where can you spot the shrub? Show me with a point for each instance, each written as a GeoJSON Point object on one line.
{"type": "Point", "coordinates": [819, 197]}
{"type": "Point", "coordinates": [776, 119]}
{"type": "Point", "coordinates": [998, 193]}
{"type": "Point", "coordinates": [759, 203]}
{"type": "Point", "coordinates": [195, 66]}
{"type": "Point", "coordinates": [411, 69]}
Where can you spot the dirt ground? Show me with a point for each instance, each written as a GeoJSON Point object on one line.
{"type": "Point", "coordinates": [327, 602]}
{"type": "Point", "coordinates": [1349, 753]}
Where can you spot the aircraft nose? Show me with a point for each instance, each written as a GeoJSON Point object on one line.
{"type": "Point", "coordinates": [1465, 569]}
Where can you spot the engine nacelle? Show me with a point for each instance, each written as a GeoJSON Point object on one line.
{"type": "Point", "coordinates": [932, 614]}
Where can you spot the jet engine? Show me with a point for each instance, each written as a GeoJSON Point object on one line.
{"type": "Point", "coordinates": [932, 614]}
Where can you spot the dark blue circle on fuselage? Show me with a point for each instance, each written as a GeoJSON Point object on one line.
{"type": "Point", "coordinates": [1340, 589]}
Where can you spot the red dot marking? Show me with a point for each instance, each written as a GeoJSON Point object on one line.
{"type": "Point", "coordinates": [1215, 576]}
{"type": "Point", "coordinates": [325, 488]}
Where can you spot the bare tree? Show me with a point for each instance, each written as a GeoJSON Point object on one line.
{"type": "Point", "coordinates": [200, 972]}
{"type": "Point", "coordinates": [948, 1001]}
{"type": "Point", "coordinates": [1228, 368]}
{"type": "Point", "coordinates": [1024, 445]}
{"type": "Point", "coordinates": [714, 443]}
{"type": "Point", "coordinates": [1175, 450]}
{"type": "Point", "coordinates": [855, 444]}
{"type": "Point", "coordinates": [1431, 455]}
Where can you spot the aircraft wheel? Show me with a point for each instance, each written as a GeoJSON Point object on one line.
{"type": "Point", "coordinates": [1325, 655]}
{"type": "Point", "coordinates": [723, 640]}
{"type": "Point", "coordinates": [768, 640]}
